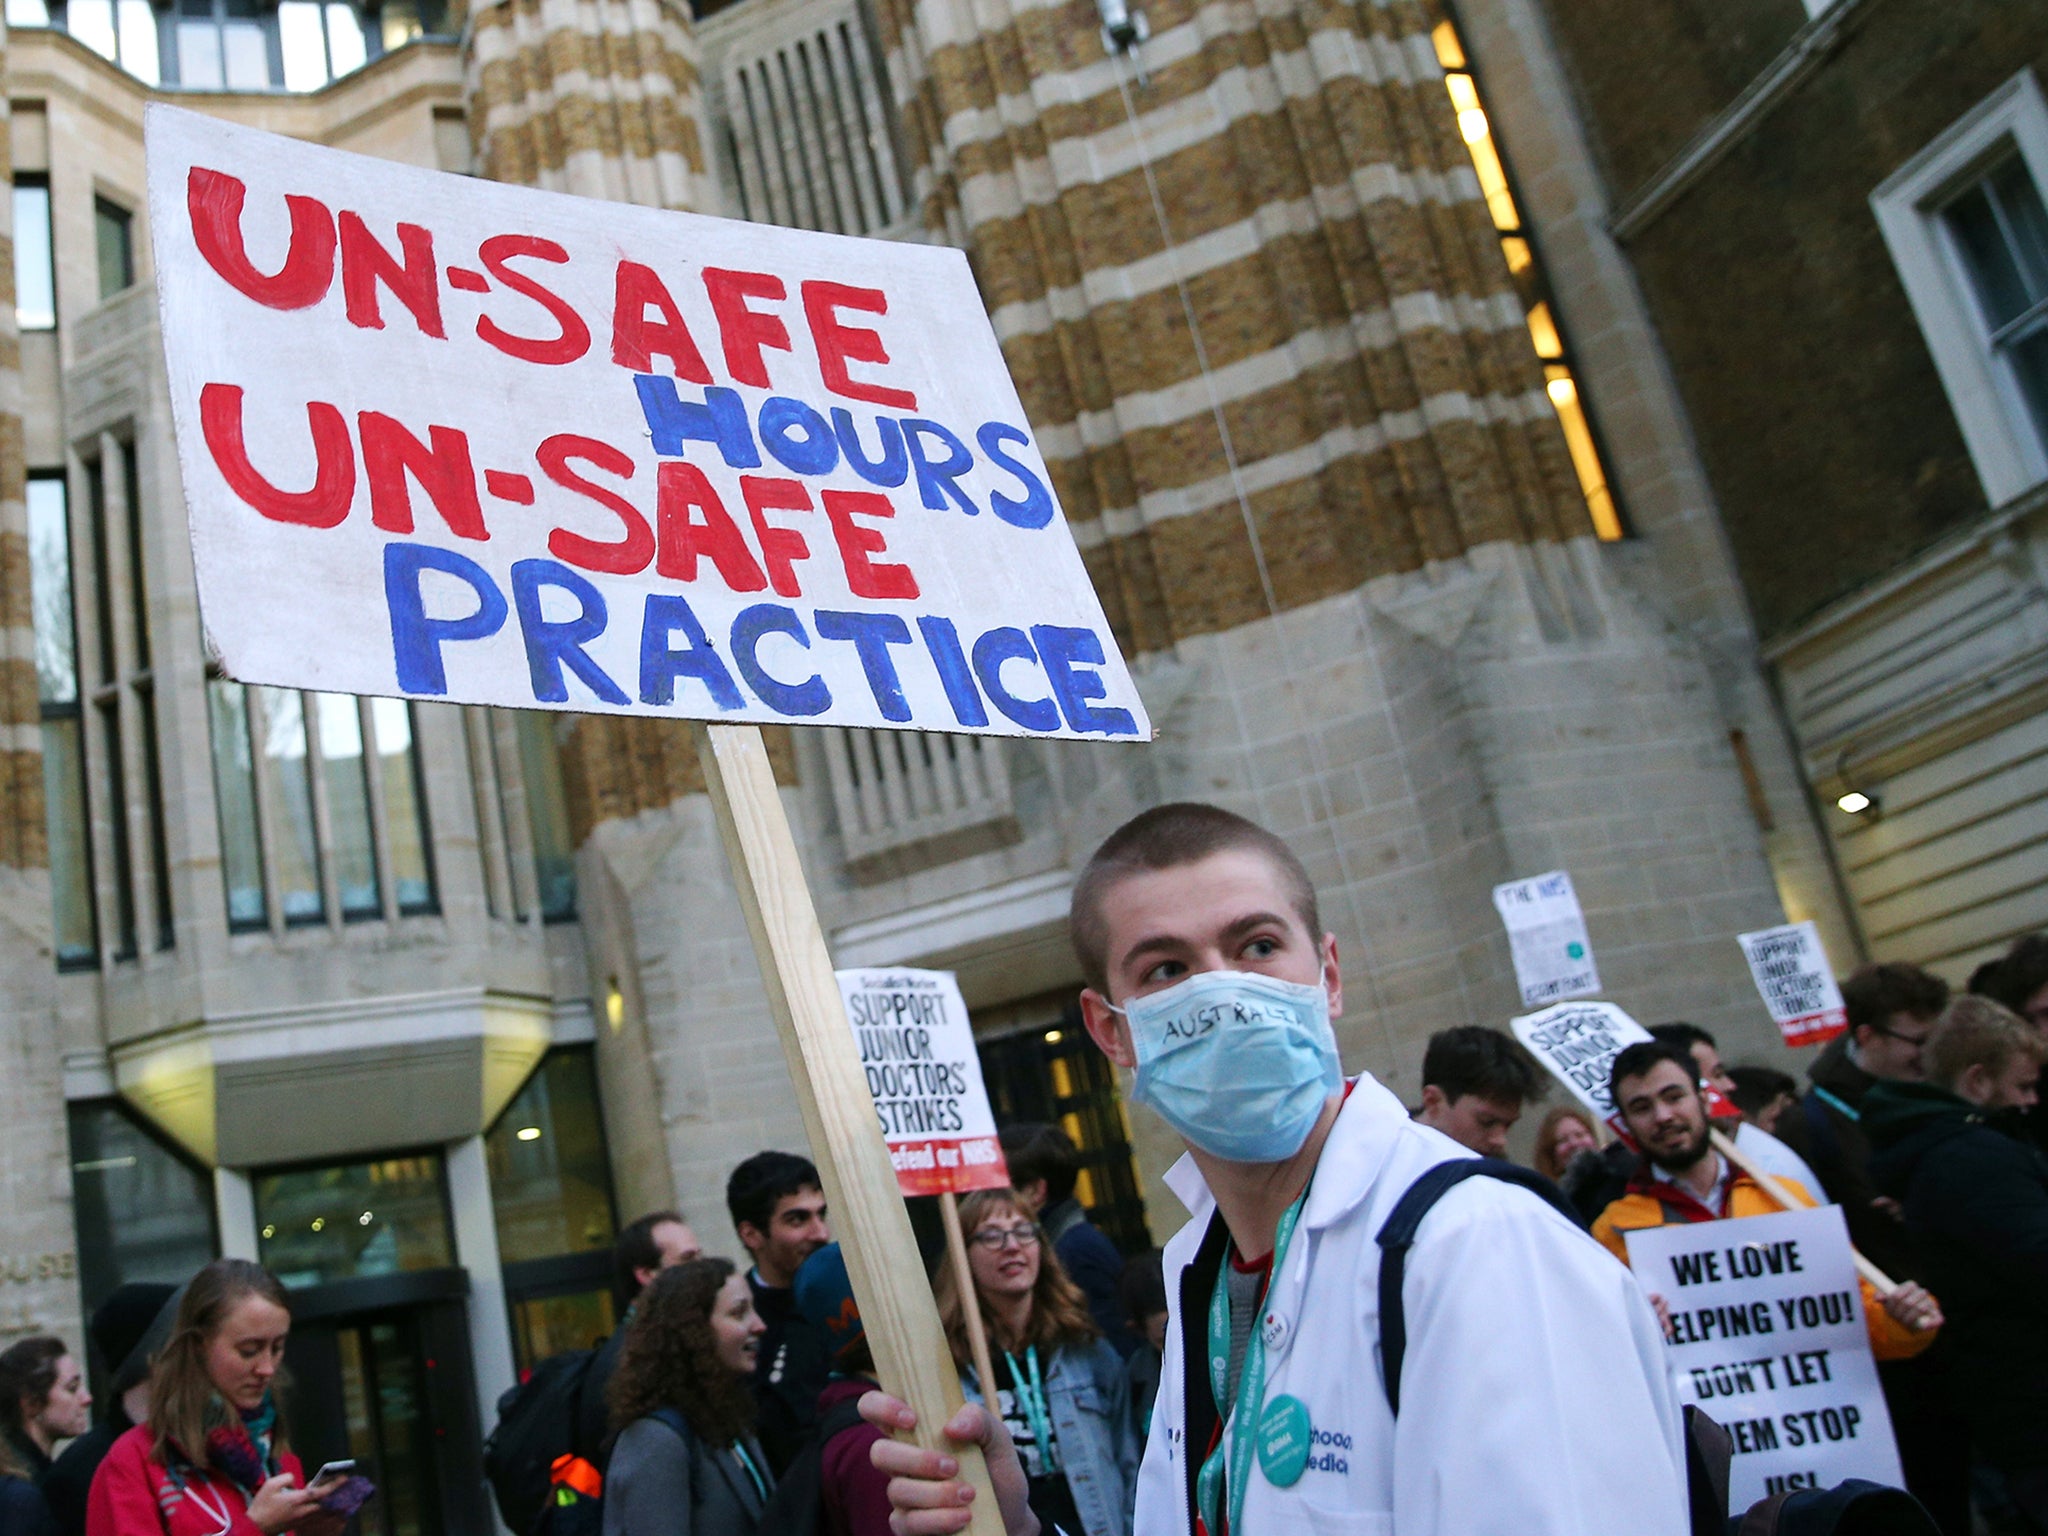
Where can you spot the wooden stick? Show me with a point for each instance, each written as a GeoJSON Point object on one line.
{"type": "Point", "coordinates": [977, 1335]}
{"type": "Point", "coordinates": [1880, 1282]}
{"type": "Point", "coordinates": [889, 1283]}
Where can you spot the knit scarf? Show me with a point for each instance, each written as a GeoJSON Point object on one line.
{"type": "Point", "coordinates": [239, 1449]}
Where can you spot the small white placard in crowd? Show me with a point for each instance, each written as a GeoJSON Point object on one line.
{"type": "Point", "coordinates": [917, 1052]}
{"type": "Point", "coordinates": [1797, 983]}
{"type": "Point", "coordinates": [1578, 1042]}
{"type": "Point", "coordinates": [1769, 1340]}
{"type": "Point", "coordinates": [1547, 935]}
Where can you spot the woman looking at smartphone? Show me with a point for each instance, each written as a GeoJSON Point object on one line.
{"type": "Point", "coordinates": [211, 1459]}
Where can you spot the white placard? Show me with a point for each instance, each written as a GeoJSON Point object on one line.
{"type": "Point", "coordinates": [1798, 985]}
{"type": "Point", "coordinates": [917, 1050]}
{"type": "Point", "coordinates": [1578, 1043]}
{"type": "Point", "coordinates": [447, 439]}
{"type": "Point", "coordinates": [1770, 1341]}
{"type": "Point", "coordinates": [1547, 935]}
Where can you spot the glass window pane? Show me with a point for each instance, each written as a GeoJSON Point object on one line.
{"type": "Point", "coordinates": [199, 63]}
{"type": "Point", "coordinates": [551, 1187]}
{"type": "Point", "coordinates": [1990, 260]}
{"type": "Point", "coordinates": [283, 729]}
{"type": "Point", "coordinates": [548, 1325]}
{"type": "Point", "coordinates": [159, 846]}
{"type": "Point", "coordinates": [2026, 222]}
{"type": "Point", "coordinates": [412, 870]}
{"type": "Point", "coordinates": [70, 850]}
{"type": "Point", "coordinates": [143, 1212]}
{"type": "Point", "coordinates": [2028, 356]}
{"type": "Point", "coordinates": [113, 230]}
{"type": "Point", "coordinates": [345, 43]}
{"type": "Point", "coordinates": [35, 272]}
{"type": "Point", "coordinates": [234, 793]}
{"type": "Point", "coordinates": [27, 13]}
{"type": "Point", "coordinates": [305, 52]}
{"type": "Point", "coordinates": [137, 24]}
{"type": "Point", "coordinates": [92, 23]}
{"type": "Point", "coordinates": [380, 1218]}
{"type": "Point", "coordinates": [49, 554]}
{"type": "Point", "coordinates": [247, 53]}
{"type": "Point", "coordinates": [348, 803]}
{"type": "Point", "coordinates": [138, 569]}
{"type": "Point", "coordinates": [122, 875]}
{"type": "Point", "coordinates": [554, 859]}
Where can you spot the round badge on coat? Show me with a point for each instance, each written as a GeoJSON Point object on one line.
{"type": "Point", "coordinates": [1283, 1441]}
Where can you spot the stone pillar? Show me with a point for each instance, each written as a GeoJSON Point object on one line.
{"type": "Point", "coordinates": [38, 1262]}
{"type": "Point", "coordinates": [594, 97]}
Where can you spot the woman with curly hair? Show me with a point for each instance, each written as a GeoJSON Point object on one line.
{"type": "Point", "coordinates": [1060, 1388]}
{"type": "Point", "coordinates": [685, 1462]}
{"type": "Point", "coordinates": [212, 1459]}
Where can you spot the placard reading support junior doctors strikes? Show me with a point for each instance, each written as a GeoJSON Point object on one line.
{"type": "Point", "coordinates": [1769, 1339]}
{"type": "Point", "coordinates": [917, 1052]}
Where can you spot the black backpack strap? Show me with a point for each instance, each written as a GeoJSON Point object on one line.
{"type": "Point", "coordinates": [1397, 1236]}
{"type": "Point", "coordinates": [1709, 1453]}
{"type": "Point", "coordinates": [1824, 1142]}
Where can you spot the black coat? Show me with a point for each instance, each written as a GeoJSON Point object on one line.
{"type": "Point", "coordinates": [69, 1479]}
{"type": "Point", "coordinates": [1826, 1128]}
{"type": "Point", "coordinates": [1976, 1208]}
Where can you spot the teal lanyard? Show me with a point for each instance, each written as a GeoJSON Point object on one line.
{"type": "Point", "coordinates": [746, 1461]}
{"type": "Point", "coordinates": [1030, 1395]}
{"type": "Point", "coordinates": [1847, 1109]}
{"type": "Point", "coordinates": [1251, 1388]}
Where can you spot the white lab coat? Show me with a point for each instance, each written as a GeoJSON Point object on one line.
{"type": "Point", "coordinates": [1535, 1400]}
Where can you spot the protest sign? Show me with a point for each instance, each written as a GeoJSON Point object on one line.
{"type": "Point", "coordinates": [917, 1051]}
{"type": "Point", "coordinates": [1578, 1042]}
{"type": "Point", "coordinates": [1797, 983]}
{"type": "Point", "coordinates": [1768, 1337]}
{"type": "Point", "coordinates": [1547, 937]}
{"type": "Point", "coordinates": [443, 438]}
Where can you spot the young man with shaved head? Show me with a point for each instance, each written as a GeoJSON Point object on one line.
{"type": "Point", "coordinates": [1532, 1395]}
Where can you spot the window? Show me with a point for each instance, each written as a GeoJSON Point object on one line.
{"type": "Point", "coordinates": [35, 261]}
{"type": "Point", "coordinates": [385, 1217]}
{"type": "Point", "coordinates": [1560, 375]}
{"type": "Point", "coordinates": [322, 811]}
{"type": "Point", "coordinates": [1965, 225]}
{"type": "Point", "coordinates": [142, 1211]}
{"type": "Point", "coordinates": [123, 31]}
{"type": "Point", "coordinates": [114, 227]}
{"type": "Point", "coordinates": [523, 812]}
{"type": "Point", "coordinates": [64, 794]}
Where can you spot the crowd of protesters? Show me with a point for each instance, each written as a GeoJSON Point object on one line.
{"type": "Point", "coordinates": [732, 1400]}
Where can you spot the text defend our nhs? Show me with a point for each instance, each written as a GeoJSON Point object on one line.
{"type": "Point", "coordinates": [443, 438]}
{"type": "Point", "coordinates": [1769, 1339]}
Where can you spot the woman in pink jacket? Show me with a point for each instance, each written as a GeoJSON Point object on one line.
{"type": "Point", "coordinates": [212, 1458]}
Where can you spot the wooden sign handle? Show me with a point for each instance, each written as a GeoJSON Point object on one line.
{"type": "Point", "coordinates": [1880, 1282]}
{"type": "Point", "coordinates": [963, 1276]}
{"type": "Point", "coordinates": [868, 1216]}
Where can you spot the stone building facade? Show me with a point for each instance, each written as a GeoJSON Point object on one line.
{"type": "Point", "coordinates": [1408, 517]}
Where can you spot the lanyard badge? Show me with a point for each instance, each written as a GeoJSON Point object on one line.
{"type": "Point", "coordinates": [1280, 1434]}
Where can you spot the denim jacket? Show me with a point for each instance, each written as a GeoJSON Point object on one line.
{"type": "Point", "coordinates": [1091, 1420]}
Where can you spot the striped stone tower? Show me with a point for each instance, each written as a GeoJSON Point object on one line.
{"type": "Point", "coordinates": [1291, 178]}
{"type": "Point", "coordinates": [38, 1288]}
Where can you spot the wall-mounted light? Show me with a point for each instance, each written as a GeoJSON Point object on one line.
{"type": "Point", "coordinates": [1122, 28]}
{"type": "Point", "coordinates": [1855, 802]}
{"type": "Point", "coordinates": [1855, 799]}
{"type": "Point", "coordinates": [614, 1011]}
{"type": "Point", "coordinates": [529, 1133]}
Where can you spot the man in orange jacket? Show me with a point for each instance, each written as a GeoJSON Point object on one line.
{"type": "Point", "coordinates": [1682, 1178]}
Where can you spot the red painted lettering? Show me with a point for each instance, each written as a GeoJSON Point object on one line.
{"type": "Point", "coordinates": [214, 201]}
{"type": "Point", "coordinates": [743, 332]}
{"type": "Point", "coordinates": [574, 338]}
{"type": "Point", "coordinates": [444, 471]}
{"type": "Point", "coordinates": [857, 543]}
{"type": "Point", "coordinates": [679, 487]}
{"type": "Point", "coordinates": [630, 554]}
{"type": "Point", "coordinates": [334, 477]}
{"type": "Point", "coordinates": [365, 263]}
{"type": "Point", "coordinates": [636, 339]}
{"type": "Point", "coordinates": [781, 548]}
{"type": "Point", "coordinates": [837, 344]}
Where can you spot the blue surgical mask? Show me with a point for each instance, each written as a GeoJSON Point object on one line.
{"type": "Point", "coordinates": [1239, 1064]}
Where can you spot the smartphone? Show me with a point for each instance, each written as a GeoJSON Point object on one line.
{"type": "Point", "coordinates": [332, 1469]}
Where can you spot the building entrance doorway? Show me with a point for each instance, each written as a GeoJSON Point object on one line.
{"type": "Point", "coordinates": [381, 1374]}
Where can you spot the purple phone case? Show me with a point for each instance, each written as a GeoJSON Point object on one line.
{"type": "Point", "coordinates": [352, 1495]}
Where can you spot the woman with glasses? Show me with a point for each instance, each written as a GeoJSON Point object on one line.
{"type": "Point", "coordinates": [1060, 1388]}
{"type": "Point", "coordinates": [212, 1458]}
{"type": "Point", "coordinates": [686, 1462]}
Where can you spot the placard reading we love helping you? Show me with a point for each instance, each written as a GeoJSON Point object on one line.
{"type": "Point", "coordinates": [1768, 1338]}
{"type": "Point", "coordinates": [917, 1050]}
{"type": "Point", "coordinates": [447, 439]}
